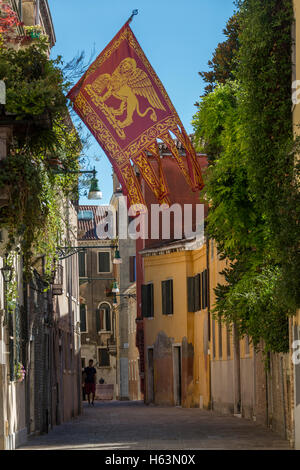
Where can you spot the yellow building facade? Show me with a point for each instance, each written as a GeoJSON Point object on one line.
{"type": "Point", "coordinates": [177, 366]}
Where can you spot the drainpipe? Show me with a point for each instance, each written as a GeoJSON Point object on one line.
{"type": "Point", "coordinates": [237, 372]}
{"type": "Point", "coordinates": [37, 11]}
{"type": "Point", "coordinates": [208, 320]}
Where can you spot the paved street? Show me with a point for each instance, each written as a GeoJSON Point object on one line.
{"type": "Point", "coordinates": [132, 425]}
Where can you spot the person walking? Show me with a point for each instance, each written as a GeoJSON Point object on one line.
{"type": "Point", "coordinates": [90, 381]}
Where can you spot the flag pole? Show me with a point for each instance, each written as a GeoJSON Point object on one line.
{"type": "Point", "coordinates": [134, 12]}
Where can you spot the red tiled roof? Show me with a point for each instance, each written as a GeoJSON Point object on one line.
{"type": "Point", "coordinates": [87, 228]}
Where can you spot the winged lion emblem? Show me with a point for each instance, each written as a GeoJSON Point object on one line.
{"type": "Point", "coordinates": [126, 83]}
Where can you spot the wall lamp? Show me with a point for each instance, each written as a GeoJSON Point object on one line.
{"type": "Point", "coordinates": [94, 192]}
{"type": "Point", "coordinates": [7, 272]}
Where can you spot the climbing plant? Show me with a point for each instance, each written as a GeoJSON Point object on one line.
{"type": "Point", "coordinates": [44, 140]}
{"type": "Point", "coordinates": [252, 184]}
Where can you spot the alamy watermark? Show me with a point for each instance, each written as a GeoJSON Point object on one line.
{"type": "Point", "coordinates": [296, 353]}
{"type": "Point", "coordinates": [296, 92]}
{"type": "Point", "coordinates": [160, 222]}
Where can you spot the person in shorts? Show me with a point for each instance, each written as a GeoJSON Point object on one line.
{"type": "Point", "coordinates": [90, 381]}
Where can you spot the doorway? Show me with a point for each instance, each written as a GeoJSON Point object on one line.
{"type": "Point", "coordinates": [177, 375]}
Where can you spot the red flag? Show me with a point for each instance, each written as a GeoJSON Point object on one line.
{"type": "Point", "coordinates": [125, 106]}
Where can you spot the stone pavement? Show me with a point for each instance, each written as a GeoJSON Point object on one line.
{"type": "Point", "coordinates": [133, 425]}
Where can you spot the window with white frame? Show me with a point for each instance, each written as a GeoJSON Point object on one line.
{"type": "Point", "coordinates": [104, 262]}
{"type": "Point", "coordinates": [103, 317]}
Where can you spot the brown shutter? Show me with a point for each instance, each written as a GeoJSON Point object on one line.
{"type": "Point", "coordinates": [203, 289]}
{"type": "Point", "coordinates": [144, 301]}
{"type": "Point", "coordinates": [151, 300]}
{"type": "Point", "coordinates": [164, 297]}
{"type": "Point", "coordinates": [191, 294]}
{"type": "Point", "coordinates": [167, 297]}
{"type": "Point", "coordinates": [170, 297]}
{"type": "Point", "coordinates": [197, 284]}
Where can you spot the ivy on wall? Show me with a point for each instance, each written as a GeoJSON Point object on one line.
{"type": "Point", "coordinates": [253, 181]}
{"type": "Point", "coordinates": [42, 134]}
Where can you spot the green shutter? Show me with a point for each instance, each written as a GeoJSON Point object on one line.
{"type": "Point", "coordinates": [82, 317]}
{"type": "Point", "coordinates": [190, 294]}
{"type": "Point", "coordinates": [145, 301]}
{"type": "Point", "coordinates": [164, 297]}
{"type": "Point", "coordinates": [197, 283]}
{"type": "Point", "coordinates": [151, 300]}
{"type": "Point", "coordinates": [104, 262]}
{"type": "Point", "coordinates": [167, 297]}
{"type": "Point", "coordinates": [203, 290]}
{"type": "Point", "coordinates": [81, 264]}
{"type": "Point", "coordinates": [107, 318]}
{"type": "Point", "coordinates": [170, 297]}
{"type": "Point", "coordinates": [98, 326]}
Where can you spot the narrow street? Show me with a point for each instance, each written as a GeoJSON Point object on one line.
{"type": "Point", "coordinates": [132, 425]}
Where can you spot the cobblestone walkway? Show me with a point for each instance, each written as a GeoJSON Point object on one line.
{"type": "Point", "coordinates": [132, 425]}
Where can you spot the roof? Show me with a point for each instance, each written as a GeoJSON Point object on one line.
{"type": "Point", "coordinates": [166, 247]}
{"type": "Point", "coordinates": [87, 228]}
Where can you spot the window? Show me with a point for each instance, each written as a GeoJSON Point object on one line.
{"type": "Point", "coordinates": [104, 262]}
{"type": "Point", "coordinates": [147, 301]}
{"type": "Point", "coordinates": [83, 318]}
{"type": "Point", "coordinates": [132, 268]}
{"type": "Point", "coordinates": [167, 297]}
{"type": "Point", "coordinates": [194, 293]}
{"type": "Point", "coordinates": [81, 264]}
{"type": "Point", "coordinates": [191, 294]}
{"type": "Point", "coordinates": [204, 289]}
{"type": "Point", "coordinates": [197, 284]}
{"type": "Point", "coordinates": [103, 357]}
{"type": "Point", "coordinates": [103, 318]}
{"type": "Point", "coordinates": [85, 215]}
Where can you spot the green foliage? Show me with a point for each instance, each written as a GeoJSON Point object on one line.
{"type": "Point", "coordinates": [253, 181]}
{"type": "Point", "coordinates": [223, 61]}
{"type": "Point", "coordinates": [251, 300]}
{"type": "Point", "coordinates": [35, 96]}
{"type": "Point", "coordinates": [34, 83]}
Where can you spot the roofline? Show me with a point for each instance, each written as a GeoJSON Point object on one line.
{"type": "Point", "coordinates": [188, 244]}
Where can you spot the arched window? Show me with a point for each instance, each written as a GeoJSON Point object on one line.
{"type": "Point", "coordinates": [103, 317]}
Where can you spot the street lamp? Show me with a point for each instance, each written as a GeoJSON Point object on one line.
{"type": "Point", "coordinates": [115, 288]}
{"type": "Point", "coordinates": [117, 259]}
{"type": "Point", "coordinates": [94, 192]}
{"type": "Point", "coordinates": [6, 272]}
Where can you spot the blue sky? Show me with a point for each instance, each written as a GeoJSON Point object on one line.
{"type": "Point", "coordinates": [177, 36]}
